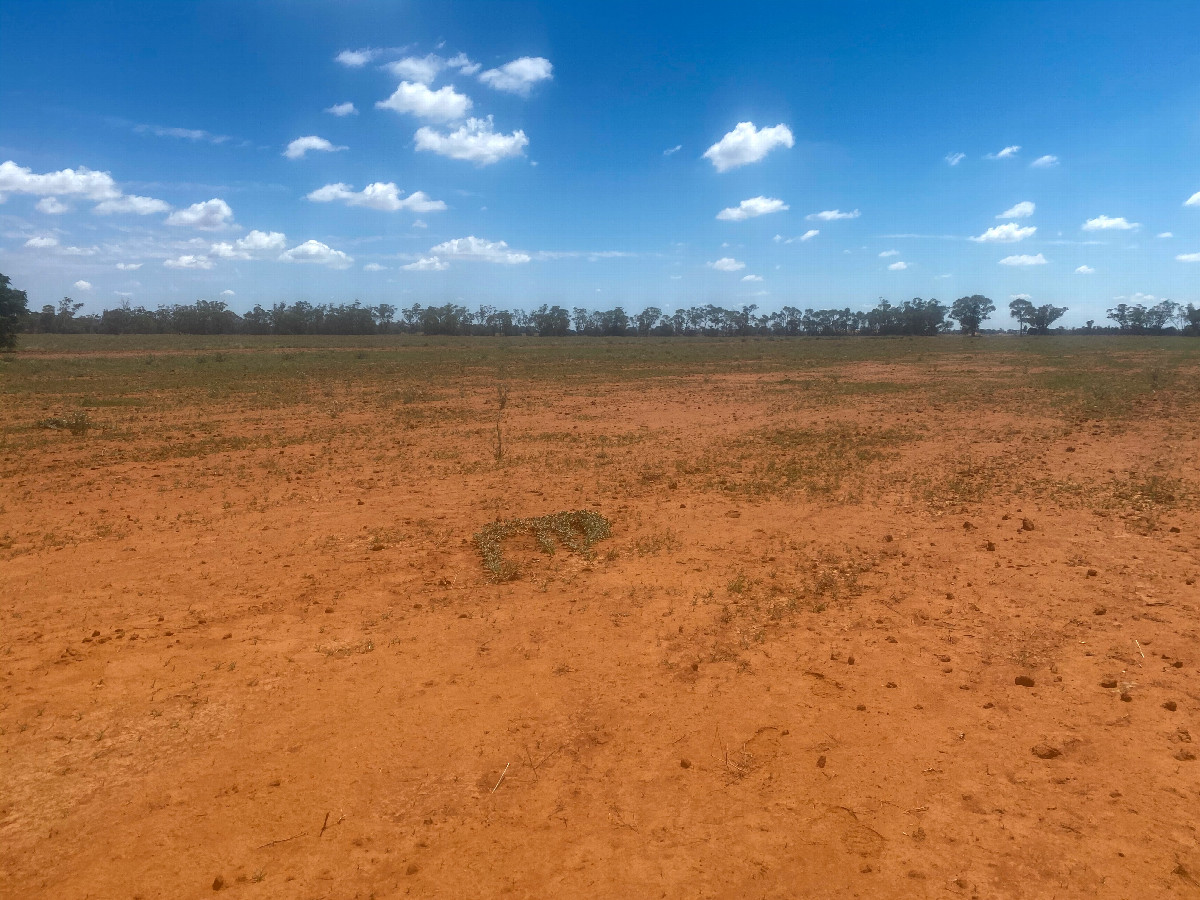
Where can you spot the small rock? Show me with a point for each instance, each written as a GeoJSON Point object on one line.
{"type": "Point", "coordinates": [733, 514]}
{"type": "Point", "coordinates": [989, 705]}
{"type": "Point", "coordinates": [1185, 755]}
{"type": "Point", "coordinates": [967, 526]}
{"type": "Point", "coordinates": [990, 546]}
{"type": "Point", "coordinates": [1027, 525]}
{"type": "Point", "coordinates": [218, 883]}
{"type": "Point", "coordinates": [1126, 697]}
{"type": "Point", "coordinates": [685, 764]}
{"type": "Point", "coordinates": [1099, 610]}
{"type": "Point", "coordinates": [821, 761]}
{"type": "Point", "coordinates": [887, 538]}
{"type": "Point", "coordinates": [1070, 449]}
{"type": "Point", "coordinates": [412, 869]}
{"type": "Point", "coordinates": [862, 707]}
{"type": "Point", "coordinates": [1170, 706]}
{"type": "Point", "coordinates": [890, 684]}
{"type": "Point", "coordinates": [1092, 573]}
{"type": "Point", "coordinates": [890, 639]}
{"type": "Point", "coordinates": [849, 660]}
{"type": "Point", "coordinates": [1045, 751]}
{"type": "Point", "coordinates": [1174, 529]}
{"type": "Point", "coordinates": [1023, 681]}
{"type": "Point", "coordinates": [1178, 664]}
{"type": "Point", "coordinates": [1108, 683]}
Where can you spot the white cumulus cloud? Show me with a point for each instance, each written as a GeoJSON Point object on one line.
{"type": "Point", "coordinates": [301, 145]}
{"type": "Point", "coordinates": [886, 253]}
{"type": "Point", "coordinates": [475, 141]}
{"type": "Point", "coordinates": [316, 252]}
{"type": "Point", "coordinates": [1166, 234]}
{"type": "Point", "coordinates": [726, 264]}
{"type": "Point", "coordinates": [748, 209]}
{"type": "Point", "coordinates": [955, 158]}
{"type": "Point", "coordinates": [463, 63]}
{"type": "Point", "coordinates": [380, 195]}
{"type": "Point", "coordinates": [1188, 257]}
{"type": "Point", "coordinates": [52, 206]}
{"type": "Point", "coordinates": [129, 267]}
{"type": "Point", "coordinates": [256, 242]}
{"type": "Point", "coordinates": [1006, 153]}
{"type": "Point", "coordinates": [228, 293]}
{"type": "Point", "coordinates": [355, 59]}
{"type": "Point", "coordinates": [427, 264]}
{"type": "Point", "coordinates": [1024, 260]}
{"type": "Point", "coordinates": [443, 105]}
{"type": "Point", "coordinates": [473, 248]}
{"type": "Point", "coordinates": [518, 76]}
{"type": "Point", "coordinates": [82, 285]}
{"type": "Point", "coordinates": [189, 261]}
{"type": "Point", "coordinates": [1193, 200]}
{"type": "Point", "coordinates": [342, 109]}
{"type": "Point", "coordinates": [374, 267]}
{"type": "Point", "coordinates": [1085, 270]}
{"type": "Point", "coordinates": [82, 182]}
{"type": "Point", "coordinates": [832, 215]}
{"type": "Point", "coordinates": [898, 267]}
{"type": "Point", "coordinates": [1049, 161]}
{"type": "Point", "coordinates": [42, 242]}
{"type": "Point", "coordinates": [211, 215]}
{"type": "Point", "coordinates": [1022, 210]}
{"type": "Point", "coordinates": [752, 278]}
{"type": "Point", "coordinates": [417, 68]}
{"type": "Point", "coordinates": [1006, 233]}
{"type": "Point", "coordinates": [131, 203]}
{"type": "Point", "coordinates": [747, 144]}
{"type": "Point", "coordinates": [1107, 223]}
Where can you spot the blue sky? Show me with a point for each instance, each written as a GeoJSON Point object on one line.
{"type": "Point", "coordinates": [513, 154]}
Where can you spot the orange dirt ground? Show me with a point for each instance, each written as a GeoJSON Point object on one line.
{"type": "Point", "coordinates": [251, 648]}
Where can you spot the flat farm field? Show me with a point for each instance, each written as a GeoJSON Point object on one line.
{"type": "Point", "coordinates": [843, 618]}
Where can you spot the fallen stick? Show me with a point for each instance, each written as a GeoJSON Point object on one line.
{"type": "Point", "coordinates": [502, 774]}
{"type": "Point", "coordinates": [281, 840]}
{"type": "Point", "coordinates": [324, 825]}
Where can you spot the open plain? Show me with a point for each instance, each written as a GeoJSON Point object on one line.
{"type": "Point", "coordinates": [874, 618]}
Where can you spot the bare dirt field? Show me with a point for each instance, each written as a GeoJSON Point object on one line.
{"type": "Point", "coordinates": [873, 618]}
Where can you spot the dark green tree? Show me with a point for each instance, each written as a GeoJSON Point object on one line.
{"type": "Point", "coordinates": [13, 306]}
{"type": "Point", "coordinates": [972, 311]}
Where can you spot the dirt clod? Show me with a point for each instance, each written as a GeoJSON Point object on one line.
{"type": "Point", "coordinates": [1023, 681]}
{"type": "Point", "coordinates": [1045, 751]}
{"type": "Point", "coordinates": [1170, 705]}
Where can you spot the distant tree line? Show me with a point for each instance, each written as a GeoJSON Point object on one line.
{"type": "Point", "coordinates": [910, 317]}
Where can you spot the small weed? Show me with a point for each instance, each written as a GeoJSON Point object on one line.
{"type": "Point", "coordinates": [576, 530]}
{"type": "Point", "coordinates": [77, 423]}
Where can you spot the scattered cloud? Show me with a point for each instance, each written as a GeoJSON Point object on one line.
{"type": "Point", "coordinates": [752, 278]}
{"type": "Point", "coordinates": [1006, 233]}
{"type": "Point", "coordinates": [1193, 200]}
{"type": "Point", "coordinates": [749, 209]}
{"type": "Point", "coordinates": [81, 182]}
{"type": "Point", "coordinates": [82, 285]}
{"type": "Point", "coordinates": [356, 59]}
{"type": "Point", "coordinates": [417, 68]}
{"type": "Point", "coordinates": [316, 252]}
{"type": "Point", "coordinates": [52, 206]}
{"type": "Point", "coordinates": [461, 62]}
{"type": "Point", "coordinates": [228, 293]}
{"type": "Point", "coordinates": [187, 134]}
{"type": "Point", "coordinates": [886, 253]}
{"type": "Point", "coordinates": [211, 215]}
{"type": "Point", "coordinates": [473, 248]}
{"type": "Point", "coordinates": [726, 264]}
{"type": "Point", "coordinates": [380, 195]}
{"type": "Point", "coordinates": [1024, 260]}
{"type": "Point", "coordinates": [1049, 161]}
{"type": "Point", "coordinates": [301, 145]}
{"type": "Point", "coordinates": [189, 261]}
{"type": "Point", "coordinates": [1106, 223]}
{"type": "Point", "coordinates": [1166, 234]}
{"type": "Point", "coordinates": [129, 267]}
{"type": "Point", "coordinates": [1006, 153]}
{"type": "Point", "coordinates": [130, 203]}
{"type": "Point", "coordinates": [374, 267]}
{"type": "Point", "coordinates": [898, 267]}
{"type": "Point", "coordinates": [42, 242]}
{"type": "Point", "coordinates": [256, 242]}
{"type": "Point", "coordinates": [1188, 257]}
{"type": "Point", "coordinates": [518, 76]}
{"type": "Point", "coordinates": [955, 158]}
{"type": "Point", "coordinates": [475, 141]}
{"type": "Point", "coordinates": [1085, 270]}
{"type": "Point", "coordinates": [427, 264]}
{"type": "Point", "coordinates": [342, 109]}
{"type": "Point", "coordinates": [671, 151]}
{"type": "Point", "coordinates": [747, 144]}
{"type": "Point", "coordinates": [1022, 210]}
{"type": "Point", "coordinates": [809, 235]}
{"type": "Point", "coordinates": [832, 215]}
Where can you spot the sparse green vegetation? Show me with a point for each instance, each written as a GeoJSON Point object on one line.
{"type": "Point", "coordinates": [577, 531]}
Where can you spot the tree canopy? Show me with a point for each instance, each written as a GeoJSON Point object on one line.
{"type": "Point", "coordinates": [13, 306]}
